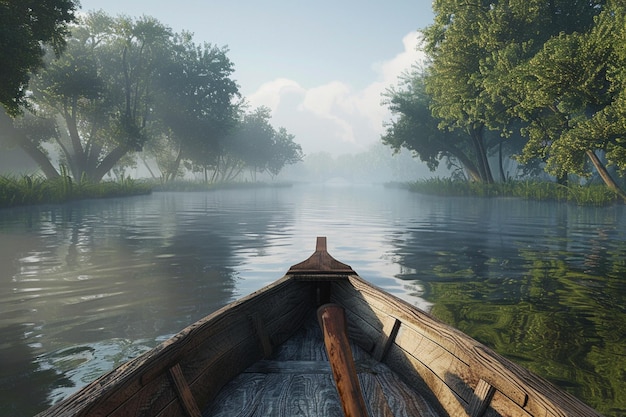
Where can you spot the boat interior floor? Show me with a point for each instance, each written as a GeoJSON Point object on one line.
{"type": "Point", "coordinates": [297, 381]}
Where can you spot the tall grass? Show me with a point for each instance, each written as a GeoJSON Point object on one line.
{"type": "Point", "coordinates": [35, 189]}
{"type": "Point", "coordinates": [584, 195]}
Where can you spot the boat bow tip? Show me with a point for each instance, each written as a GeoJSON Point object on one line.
{"type": "Point", "coordinates": [320, 262]}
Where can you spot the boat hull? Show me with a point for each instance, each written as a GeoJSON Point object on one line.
{"type": "Point", "coordinates": [455, 374]}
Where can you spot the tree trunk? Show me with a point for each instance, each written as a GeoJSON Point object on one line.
{"type": "Point", "coordinates": [500, 163]}
{"type": "Point", "coordinates": [604, 174]}
{"type": "Point", "coordinates": [469, 166]}
{"type": "Point", "coordinates": [108, 163]}
{"type": "Point", "coordinates": [481, 153]}
{"type": "Point", "coordinates": [6, 125]}
{"type": "Point", "coordinates": [76, 157]}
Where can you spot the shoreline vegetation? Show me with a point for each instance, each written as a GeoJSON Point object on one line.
{"type": "Point", "coordinates": [36, 190]}
{"type": "Point", "coordinates": [582, 195]}
{"type": "Point", "coordinates": [28, 190]}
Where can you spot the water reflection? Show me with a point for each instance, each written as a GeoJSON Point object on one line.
{"type": "Point", "coordinates": [541, 283]}
{"type": "Point", "coordinates": [87, 286]}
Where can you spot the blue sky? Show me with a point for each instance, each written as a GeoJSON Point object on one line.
{"type": "Point", "coordinates": [319, 65]}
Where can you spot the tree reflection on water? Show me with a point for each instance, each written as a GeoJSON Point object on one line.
{"type": "Point", "coordinates": [557, 309]}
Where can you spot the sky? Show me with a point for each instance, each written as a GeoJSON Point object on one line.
{"type": "Point", "coordinates": [320, 66]}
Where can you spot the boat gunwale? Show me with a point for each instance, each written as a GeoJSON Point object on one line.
{"type": "Point", "coordinates": [526, 389]}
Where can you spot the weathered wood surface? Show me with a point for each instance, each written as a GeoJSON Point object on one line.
{"type": "Point", "coordinates": [274, 387]}
{"type": "Point", "coordinates": [320, 263]}
{"type": "Point", "coordinates": [448, 362]}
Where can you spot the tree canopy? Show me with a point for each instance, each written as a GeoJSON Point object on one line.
{"type": "Point", "coordinates": [25, 25]}
{"type": "Point", "coordinates": [123, 85]}
{"type": "Point", "coordinates": [548, 73]}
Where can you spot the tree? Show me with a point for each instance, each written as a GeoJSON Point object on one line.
{"type": "Point", "coordinates": [284, 151]}
{"type": "Point", "coordinates": [454, 79]}
{"type": "Point", "coordinates": [475, 45]}
{"type": "Point", "coordinates": [99, 93]}
{"type": "Point", "coordinates": [197, 103]}
{"type": "Point", "coordinates": [257, 146]}
{"type": "Point", "coordinates": [573, 98]}
{"type": "Point", "coordinates": [416, 129]}
{"type": "Point", "coordinates": [24, 26]}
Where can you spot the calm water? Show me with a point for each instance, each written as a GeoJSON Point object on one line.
{"type": "Point", "coordinates": [87, 286]}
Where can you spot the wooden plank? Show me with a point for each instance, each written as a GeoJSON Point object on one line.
{"type": "Point", "coordinates": [240, 397]}
{"type": "Point", "coordinates": [184, 393]}
{"type": "Point", "coordinates": [310, 367]}
{"type": "Point", "coordinates": [403, 400]}
{"type": "Point", "coordinates": [280, 395]}
{"type": "Point", "coordinates": [377, 405]}
{"type": "Point", "coordinates": [391, 325]}
{"type": "Point", "coordinates": [261, 332]}
{"type": "Point", "coordinates": [501, 405]}
{"type": "Point", "coordinates": [289, 367]}
{"type": "Point", "coordinates": [206, 385]}
{"type": "Point", "coordinates": [481, 399]}
{"type": "Point", "coordinates": [431, 387]}
{"type": "Point", "coordinates": [151, 399]}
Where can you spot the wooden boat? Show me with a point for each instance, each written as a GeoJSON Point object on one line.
{"type": "Point", "coordinates": [264, 355]}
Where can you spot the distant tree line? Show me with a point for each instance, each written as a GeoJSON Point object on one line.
{"type": "Point", "coordinates": [84, 95]}
{"type": "Point", "coordinates": [542, 82]}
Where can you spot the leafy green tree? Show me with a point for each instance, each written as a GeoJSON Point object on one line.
{"type": "Point", "coordinates": [415, 128]}
{"type": "Point", "coordinates": [572, 97]}
{"type": "Point", "coordinates": [253, 140]}
{"type": "Point", "coordinates": [25, 25]}
{"type": "Point", "coordinates": [196, 105]}
{"type": "Point", "coordinates": [257, 146]}
{"type": "Point", "coordinates": [284, 151]}
{"type": "Point", "coordinates": [474, 46]}
{"type": "Point", "coordinates": [99, 93]}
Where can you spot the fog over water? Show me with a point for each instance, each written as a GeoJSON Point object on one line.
{"type": "Point", "coordinates": [88, 285]}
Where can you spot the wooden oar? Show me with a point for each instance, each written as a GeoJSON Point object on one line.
{"type": "Point", "coordinates": [332, 319]}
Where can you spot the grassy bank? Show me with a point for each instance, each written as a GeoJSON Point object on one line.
{"type": "Point", "coordinates": [34, 189]}
{"type": "Point", "coordinates": [204, 186]}
{"type": "Point", "coordinates": [583, 195]}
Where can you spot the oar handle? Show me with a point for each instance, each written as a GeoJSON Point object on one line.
{"type": "Point", "coordinates": [332, 320]}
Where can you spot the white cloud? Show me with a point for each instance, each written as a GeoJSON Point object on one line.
{"type": "Point", "coordinates": [269, 94]}
{"type": "Point", "coordinates": [331, 102]}
{"type": "Point", "coordinates": [332, 117]}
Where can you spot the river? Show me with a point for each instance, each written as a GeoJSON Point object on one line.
{"type": "Point", "coordinates": [88, 285]}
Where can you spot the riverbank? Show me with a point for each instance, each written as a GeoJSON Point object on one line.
{"type": "Point", "coordinates": [34, 189]}
{"type": "Point", "coordinates": [581, 195]}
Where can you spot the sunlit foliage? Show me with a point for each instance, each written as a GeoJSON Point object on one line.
{"type": "Point", "coordinates": [546, 78]}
